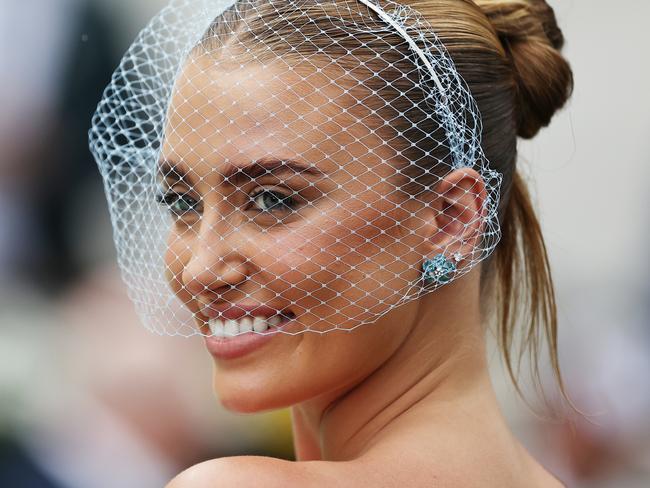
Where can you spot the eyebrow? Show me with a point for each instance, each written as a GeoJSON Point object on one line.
{"type": "Point", "coordinates": [237, 175]}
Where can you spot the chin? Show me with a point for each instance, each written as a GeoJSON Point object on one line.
{"type": "Point", "coordinates": [293, 371]}
{"type": "Point", "coordinates": [241, 393]}
{"type": "Point", "coordinates": [245, 401]}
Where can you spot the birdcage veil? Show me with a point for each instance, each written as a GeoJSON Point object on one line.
{"type": "Point", "coordinates": [269, 152]}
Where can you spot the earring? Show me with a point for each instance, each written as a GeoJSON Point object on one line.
{"type": "Point", "coordinates": [438, 270]}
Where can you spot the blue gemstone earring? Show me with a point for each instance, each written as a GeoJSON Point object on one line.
{"type": "Point", "coordinates": [438, 270]}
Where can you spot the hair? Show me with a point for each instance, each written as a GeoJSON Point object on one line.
{"type": "Point", "coordinates": [508, 53]}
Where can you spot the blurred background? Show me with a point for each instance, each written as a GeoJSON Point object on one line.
{"type": "Point", "coordinates": [72, 415]}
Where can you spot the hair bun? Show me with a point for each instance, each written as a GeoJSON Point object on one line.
{"type": "Point", "coordinates": [530, 35]}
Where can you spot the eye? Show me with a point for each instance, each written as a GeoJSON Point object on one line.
{"type": "Point", "coordinates": [272, 201]}
{"type": "Point", "coordinates": [179, 204]}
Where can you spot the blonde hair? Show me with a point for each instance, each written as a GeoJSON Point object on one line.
{"type": "Point", "coordinates": [508, 52]}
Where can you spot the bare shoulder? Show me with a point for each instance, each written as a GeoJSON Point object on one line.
{"type": "Point", "coordinates": [396, 464]}
{"type": "Point", "coordinates": [255, 471]}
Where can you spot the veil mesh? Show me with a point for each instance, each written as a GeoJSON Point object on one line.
{"type": "Point", "coordinates": [275, 166]}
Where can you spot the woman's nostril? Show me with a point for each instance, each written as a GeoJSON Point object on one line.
{"type": "Point", "coordinates": [288, 315]}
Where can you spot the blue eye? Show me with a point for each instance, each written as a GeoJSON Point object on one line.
{"type": "Point", "coordinates": [182, 205]}
{"type": "Point", "coordinates": [177, 203]}
{"type": "Point", "coordinates": [273, 201]}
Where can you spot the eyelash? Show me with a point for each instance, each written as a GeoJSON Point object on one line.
{"type": "Point", "coordinates": [282, 198]}
{"type": "Point", "coordinates": [171, 198]}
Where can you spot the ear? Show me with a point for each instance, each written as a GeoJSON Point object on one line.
{"type": "Point", "coordinates": [459, 212]}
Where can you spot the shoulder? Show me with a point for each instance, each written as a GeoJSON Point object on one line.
{"type": "Point", "coordinates": [255, 471]}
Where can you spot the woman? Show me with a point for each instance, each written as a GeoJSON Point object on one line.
{"type": "Point", "coordinates": [328, 165]}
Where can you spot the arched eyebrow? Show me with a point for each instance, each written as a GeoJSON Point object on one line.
{"type": "Point", "coordinates": [171, 170]}
{"type": "Point", "coordinates": [237, 175]}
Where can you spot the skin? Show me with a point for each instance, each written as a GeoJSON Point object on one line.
{"type": "Point", "coordinates": [406, 401]}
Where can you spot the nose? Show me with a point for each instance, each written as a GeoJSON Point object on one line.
{"type": "Point", "coordinates": [217, 263]}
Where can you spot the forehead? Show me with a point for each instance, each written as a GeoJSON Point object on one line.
{"type": "Point", "coordinates": [250, 110]}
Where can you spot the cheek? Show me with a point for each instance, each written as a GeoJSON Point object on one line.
{"type": "Point", "coordinates": [381, 257]}
{"type": "Point", "coordinates": [177, 256]}
{"type": "Point", "coordinates": [343, 271]}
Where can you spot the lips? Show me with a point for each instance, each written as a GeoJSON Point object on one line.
{"type": "Point", "coordinates": [237, 331]}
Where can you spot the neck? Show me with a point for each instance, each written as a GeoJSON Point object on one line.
{"type": "Point", "coordinates": [440, 362]}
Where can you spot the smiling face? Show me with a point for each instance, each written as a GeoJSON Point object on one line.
{"type": "Point", "coordinates": [282, 198]}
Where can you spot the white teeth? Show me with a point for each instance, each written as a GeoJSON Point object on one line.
{"type": "Point", "coordinates": [231, 328]}
{"type": "Point", "coordinates": [245, 325]}
{"type": "Point", "coordinates": [260, 324]}
{"type": "Point", "coordinates": [216, 327]}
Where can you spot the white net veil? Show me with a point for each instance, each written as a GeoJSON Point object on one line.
{"type": "Point", "coordinates": [276, 166]}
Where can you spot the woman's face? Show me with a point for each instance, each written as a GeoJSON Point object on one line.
{"type": "Point", "coordinates": [281, 197]}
